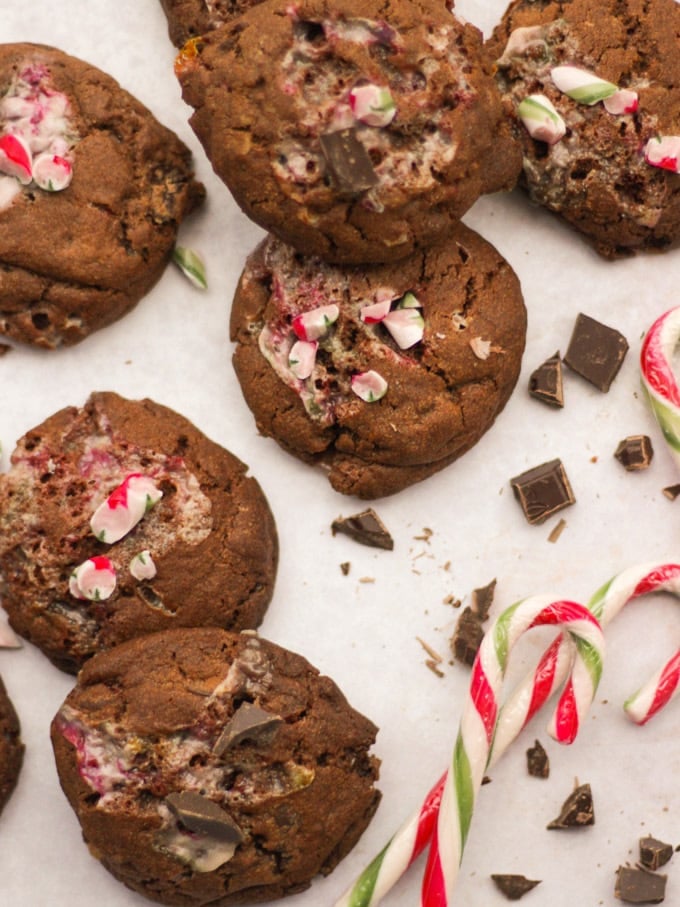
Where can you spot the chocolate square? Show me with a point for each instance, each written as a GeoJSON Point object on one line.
{"type": "Point", "coordinates": [596, 352]}
{"type": "Point", "coordinates": [654, 853]}
{"type": "Point", "coordinates": [349, 162]}
{"type": "Point", "coordinates": [635, 452]}
{"type": "Point", "coordinates": [542, 491]}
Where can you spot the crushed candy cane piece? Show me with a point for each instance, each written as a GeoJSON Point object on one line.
{"type": "Point", "coordinates": [52, 172]}
{"type": "Point", "coordinates": [301, 358]}
{"type": "Point", "coordinates": [481, 348]}
{"type": "Point", "coordinates": [315, 323]}
{"type": "Point", "coordinates": [94, 579]}
{"type": "Point", "coordinates": [124, 508]}
{"type": "Point", "coordinates": [541, 120]}
{"type": "Point", "coordinates": [15, 158]}
{"type": "Point", "coordinates": [8, 638]}
{"type": "Point", "coordinates": [142, 565]}
{"type": "Point", "coordinates": [191, 265]}
{"type": "Point", "coordinates": [409, 301]}
{"type": "Point", "coordinates": [369, 386]}
{"type": "Point", "coordinates": [406, 326]}
{"type": "Point", "coordinates": [581, 85]}
{"type": "Point", "coordinates": [375, 312]}
{"type": "Point", "coordinates": [664, 152]}
{"type": "Point", "coordinates": [372, 104]}
{"type": "Point", "coordinates": [622, 101]}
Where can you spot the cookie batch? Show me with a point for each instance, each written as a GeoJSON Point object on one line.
{"type": "Point", "coordinates": [376, 339]}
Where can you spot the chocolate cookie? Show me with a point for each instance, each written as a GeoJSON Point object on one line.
{"type": "Point", "coordinates": [92, 192]}
{"type": "Point", "coordinates": [208, 767]}
{"type": "Point", "coordinates": [190, 18]}
{"type": "Point", "coordinates": [382, 375]}
{"type": "Point", "coordinates": [11, 747]}
{"type": "Point", "coordinates": [122, 518]}
{"type": "Point", "coordinates": [354, 131]}
{"type": "Point", "coordinates": [597, 85]}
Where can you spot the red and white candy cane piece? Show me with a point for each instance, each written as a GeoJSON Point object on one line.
{"type": "Point", "coordinates": [659, 379]}
{"type": "Point", "coordinates": [52, 172]}
{"type": "Point", "coordinates": [313, 324]}
{"type": "Point", "coordinates": [124, 507]}
{"type": "Point", "coordinates": [15, 157]}
{"type": "Point", "coordinates": [664, 152]}
{"type": "Point", "coordinates": [94, 579]}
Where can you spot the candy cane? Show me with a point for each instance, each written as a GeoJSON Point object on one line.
{"type": "Point", "coordinates": [386, 869]}
{"type": "Point", "coordinates": [658, 377]}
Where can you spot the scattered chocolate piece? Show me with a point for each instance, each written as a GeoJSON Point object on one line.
{"type": "Point", "coordinates": [514, 886]}
{"type": "Point", "coordinates": [203, 816]}
{"type": "Point", "coordinates": [635, 452]}
{"type": "Point", "coordinates": [654, 853]}
{"type": "Point", "coordinates": [639, 886]}
{"type": "Point", "coordinates": [345, 566]}
{"type": "Point", "coordinates": [434, 667]}
{"type": "Point", "coordinates": [596, 352]}
{"type": "Point", "coordinates": [542, 491]}
{"type": "Point", "coordinates": [545, 383]}
{"type": "Point", "coordinates": [482, 599]}
{"type": "Point", "coordinates": [467, 636]}
{"type": "Point", "coordinates": [348, 160]}
{"type": "Point", "coordinates": [434, 656]}
{"type": "Point", "coordinates": [538, 763]}
{"type": "Point", "coordinates": [672, 492]}
{"type": "Point", "coordinates": [366, 528]}
{"type": "Point", "coordinates": [577, 809]}
{"type": "Point", "coordinates": [557, 531]}
{"type": "Point", "coordinates": [249, 722]}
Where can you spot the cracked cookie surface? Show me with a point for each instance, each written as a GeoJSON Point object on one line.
{"type": "Point", "coordinates": [210, 537]}
{"type": "Point", "coordinates": [75, 260]}
{"type": "Point", "coordinates": [439, 394]}
{"type": "Point", "coordinates": [191, 18]}
{"type": "Point", "coordinates": [189, 802]}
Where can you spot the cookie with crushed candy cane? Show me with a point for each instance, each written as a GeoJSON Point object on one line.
{"type": "Point", "coordinates": [11, 747]}
{"type": "Point", "coordinates": [93, 190]}
{"type": "Point", "coordinates": [120, 518]}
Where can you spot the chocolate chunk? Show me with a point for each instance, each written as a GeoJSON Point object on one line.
{"type": "Point", "coordinates": [545, 383]}
{"type": "Point", "coordinates": [671, 492]}
{"type": "Point", "coordinates": [482, 599]}
{"type": "Point", "coordinates": [203, 816]}
{"type": "Point", "coordinates": [467, 637]}
{"type": "Point", "coordinates": [348, 160]}
{"type": "Point", "coordinates": [654, 853]}
{"type": "Point", "coordinates": [249, 722]}
{"type": "Point", "coordinates": [634, 452]}
{"type": "Point", "coordinates": [639, 886]}
{"type": "Point", "coordinates": [366, 528]}
{"type": "Point", "coordinates": [577, 809]}
{"type": "Point", "coordinates": [514, 886]}
{"type": "Point", "coordinates": [596, 352]}
{"type": "Point", "coordinates": [345, 568]}
{"type": "Point", "coordinates": [538, 763]}
{"type": "Point", "coordinates": [542, 491]}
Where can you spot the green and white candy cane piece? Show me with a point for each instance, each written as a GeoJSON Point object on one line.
{"type": "Point", "coordinates": [659, 379]}
{"type": "Point", "coordinates": [369, 386]}
{"type": "Point", "coordinates": [581, 85]}
{"type": "Point", "coordinates": [540, 119]}
{"type": "Point", "coordinates": [191, 265]}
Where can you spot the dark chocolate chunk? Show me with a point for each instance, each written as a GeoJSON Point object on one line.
{"type": "Point", "coordinates": [203, 816]}
{"type": "Point", "coordinates": [545, 383]}
{"type": "Point", "coordinates": [671, 492]}
{"type": "Point", "coordinates": [482, 599]}
{"type": "Point", "coordinates": [467, 637]}
{"type": "Point", "coordinates": [365, 527]}
{"type": "Point", "coordinates": [634, 452]}
{"type": "Point", "coordinates": [538, 763]}
{"type": "Point", "coordinates": [639, 886]}
{"type": "Point", "coordinates": [345, 568]}
{"type": "Point", "coordinates": [249, 722]}
{"type": "Point", "coordinates": [348, 160]}
{"type": "Point", "coordinates": [543, 490]}
{"type": "Point", "coordinates": [513, 886]}
{"type": "Point", "coordinates": [596, 352]}
{"type": "Point", "coordinates": [577, 809]}
{"type": "Point", "coordinates": [654, 853]}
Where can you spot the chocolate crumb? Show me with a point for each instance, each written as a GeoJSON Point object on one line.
{"type": "Point", "coordinates": [596, 352]}
{"type": "Point", "coordinates": [634, 452]}
{"type": "Point", "coordinates": [545, 383]}
{"type": "Point", "coordinates": [345, 567]}
{"type": "Point", "coordinates": [542, 491]}
{"type": "Point", "coordinates": [557, 531]}
{"type": "Point", "coordinates": [482, 599]}
{"type": "Point", "coordinates": [538, 763]}
{"type": "Point", "coordinates": [577, 810]}
{"type": "Point", "coordinates": [433, 666]}
{"type": "Point", "coordinates": [639, 886]}
{"type": "Point", "coordinates": [672, 492]}
{"type": "Point", "coordinates": [425, 536]}
{"type": "Point", "coordinates": [654, 853]}
{"type": "Point", "coordinates": [467, 636]}
{"type": "Point", "coordinates": [514, 886]}
{"type": "Point", "coordinates": [366, 528]}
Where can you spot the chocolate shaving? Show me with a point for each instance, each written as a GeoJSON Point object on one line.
{"type": "Point", "coordinates": [513, 886]}
{"type": "Point", "coordinates": [634, 452]}
{"type": "Point", "coordinates": [349, 162]}
{"type": "Point", "coordinates": [596, 352]}
{"type": "Point", "coordinates": [366, 528]}
{"type": "Point", "coordinates": [482, 599]}
{"type": "Point", "coordinates": [249, 722]}
{"type": "Point", "coordinates": [671, 492]}
{"type": "Point", "coordinates": [545, 383]}
{"type": "Point", "coordinates": [577, 810]}
{"type": "Point", "coordinates": [639, 886]}
{"type": "Point", "coordinates": [538, 763]}
{"type": "Point", "coordinates": [542, 491]}
{"type": "Point", "coordinates": [654, 853]}
{"type": "Point", "coordinates": [467, 636]}
{"type": "Point", "coordinates": [557, 531]}
{"type": "Point", "coordinates": [202, 816]}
